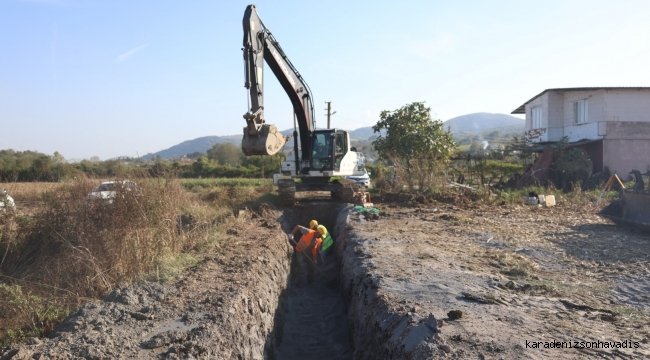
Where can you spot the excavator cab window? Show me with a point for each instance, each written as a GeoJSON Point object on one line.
{"type": "Point", "coordinates": [321, 158]}
{"type": "Point", "coordinates": [340, 149]}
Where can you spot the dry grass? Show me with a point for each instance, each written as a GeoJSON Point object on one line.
{"type": "Point", "coordinates": [69, 250]}
{"type": "Point", "coordinates": [29, 191]}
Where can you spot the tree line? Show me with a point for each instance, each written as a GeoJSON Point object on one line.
{"type": "Point", "coordinates": [222, 160]}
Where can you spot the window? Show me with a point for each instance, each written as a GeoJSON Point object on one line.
{"type": "Point", "coordinates": [580, 111]}
{"type": "Point", "coordinates": [537, 117]}
{"type": "Point", "coordinates": [321, 152]}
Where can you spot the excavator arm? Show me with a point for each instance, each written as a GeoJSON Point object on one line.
{"type": "Point", "coordinates": [260, 45]}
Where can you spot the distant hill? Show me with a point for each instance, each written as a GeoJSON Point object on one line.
{"type": "Point", "coordinates": [480, 122]}
{"type": "Point", "coordinates": [201, 144]}
{"type": "Point", "coordinates": [466, 124]}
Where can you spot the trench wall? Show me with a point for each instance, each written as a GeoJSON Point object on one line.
{"type": "Point", "coordinates": [379, 329]}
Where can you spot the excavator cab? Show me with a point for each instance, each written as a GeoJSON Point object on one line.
{"type": "Point", "coordinates": [321, 154]}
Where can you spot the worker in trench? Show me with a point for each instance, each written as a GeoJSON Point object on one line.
{"type": "Point", "coordinates": [306, 250]}
{"type": "Point", "coordinates": [326, 247]}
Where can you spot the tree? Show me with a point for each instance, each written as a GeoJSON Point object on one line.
{"type": "Point", "coordinates": [415, 143]}
{"type": "Point", "coordinates": [476, 147]}
{"type": "Point", "coordinates": [226, 154]}
{"type": "Point", "coordinates": [267, 164]}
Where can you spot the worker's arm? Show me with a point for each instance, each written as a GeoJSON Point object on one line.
{"type": "Point", "coordinates": [295, 230]}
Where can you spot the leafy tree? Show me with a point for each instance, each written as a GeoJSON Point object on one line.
{"type": "Point", "coordinates": [226, 154]}
{"type": "Point", "coordinates": [476, 147]}
{"type": "Point", "coordinates": [195, 155]}
{"type": "Point", "coordinates": [415, 143]}
{"type": "Point", "coordinates": [267, 164]}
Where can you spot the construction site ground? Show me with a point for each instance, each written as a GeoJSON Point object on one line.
{"type": "Point", "coordinates": [502, 282]}
{"type": "Point", "coordinates": [518, 274]}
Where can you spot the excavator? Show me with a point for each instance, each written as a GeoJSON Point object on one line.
{"type": "Point", "coordinates": [318, 154]}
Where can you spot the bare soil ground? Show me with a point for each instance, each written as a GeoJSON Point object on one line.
{"type": "Point", "coordinates": [499, 277]}
{"type": "Point", "coordinates": [515, 273]}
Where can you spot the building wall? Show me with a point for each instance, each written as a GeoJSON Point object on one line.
{"type": "Point", "coordinates": [537, 135]}
{"type": "Point", "coordinates": [596, 107]}
{"type": "Point", "coordinates": [620, 117]}
{"type": "Point", "coordinates": [627, 105]}
{"type": "Point", "coordinates": [627, 130]}
{"type": "Point", "coordinates": [623, 156]}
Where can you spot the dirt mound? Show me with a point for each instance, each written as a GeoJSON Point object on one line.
{"type": "Point", "coordinates": [224, 307]}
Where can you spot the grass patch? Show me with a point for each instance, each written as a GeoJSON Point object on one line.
{"type": "Point", "coordinates": [168, 267]}
{"type": "Point", "coordinates": [26, 315]}
{"type": "Point", "coordinates": [190, 184]}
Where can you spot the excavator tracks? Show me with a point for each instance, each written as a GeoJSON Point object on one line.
{"type": "Point", "coordinates": [287, 192]}
{"type": "Point", "coordinates": [344, 191]}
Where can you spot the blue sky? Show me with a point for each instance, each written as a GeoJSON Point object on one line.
{"type": "Point", "coordinates": [111, 78]}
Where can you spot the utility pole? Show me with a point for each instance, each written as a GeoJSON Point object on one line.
{"type": "Point", "coordinates": [329, 113]}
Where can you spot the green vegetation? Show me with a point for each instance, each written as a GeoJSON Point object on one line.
{"type": "Point", "coordinates": [222, 160]}
{"type": "Point", "coordinates": [415, 144]}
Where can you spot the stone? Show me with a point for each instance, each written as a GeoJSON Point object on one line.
{"type": "Point", "coordinates": [455, 314]}
{"type": "Point", "coordinates": [444, 347]}
{"type": "Point", "coordinates": [431, 322]}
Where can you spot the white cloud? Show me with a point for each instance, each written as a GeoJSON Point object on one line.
{"type": "Point", "coordinates": [124, 57]}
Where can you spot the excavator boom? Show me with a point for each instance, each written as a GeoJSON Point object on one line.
{"type": "Point", "coordinates": [259, 46]}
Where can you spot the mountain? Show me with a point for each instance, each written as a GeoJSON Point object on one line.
{"type": "Point", "coordinates": [479, 122]}
{"type": "Point", "coordinates": [201, 144]}
{"type": "Point", "coordinates": [471, 123]}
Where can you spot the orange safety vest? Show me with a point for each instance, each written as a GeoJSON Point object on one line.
{"type": "Point", "coordinates": [305, 240]}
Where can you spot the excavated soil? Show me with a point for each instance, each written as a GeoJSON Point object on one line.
{"type": "Point", "coordinates": [496, 279]}
{"type": "Point", "coordinates": [419, 281]}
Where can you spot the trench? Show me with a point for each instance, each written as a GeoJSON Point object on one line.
{"type": "Point", "coordinates": [311, 320]}
{"type": "Point", "coordinates": [244, 305]}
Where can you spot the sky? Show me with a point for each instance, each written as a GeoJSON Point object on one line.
{"type": "Point", "coordinates": [126, 78]}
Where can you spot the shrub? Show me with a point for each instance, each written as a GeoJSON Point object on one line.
{"type": "Point", "coordinates": [89, 247]}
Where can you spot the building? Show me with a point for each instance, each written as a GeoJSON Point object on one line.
{"type": "Point", "coordinates": [611, 123]}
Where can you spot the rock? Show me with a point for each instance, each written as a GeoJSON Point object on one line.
{"type": "Point", "coordinates": [415, 309]}
{"type": "Point", "coordinates": [444, 347]}
{"type": "Point", "coordinates": [33, 341]}
{"type": "Point", "coordinates": [431, 322]}
{"type": "Point", "coordinates": [455, 314]}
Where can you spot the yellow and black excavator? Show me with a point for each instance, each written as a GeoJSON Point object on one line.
{"type": "Point", "coordinates": [318, 154]}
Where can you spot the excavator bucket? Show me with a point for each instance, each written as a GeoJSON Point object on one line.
{"type": "Point", "coordinates": [632, 208]}
{"type": "Point", "coordinates": [267, 141]}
